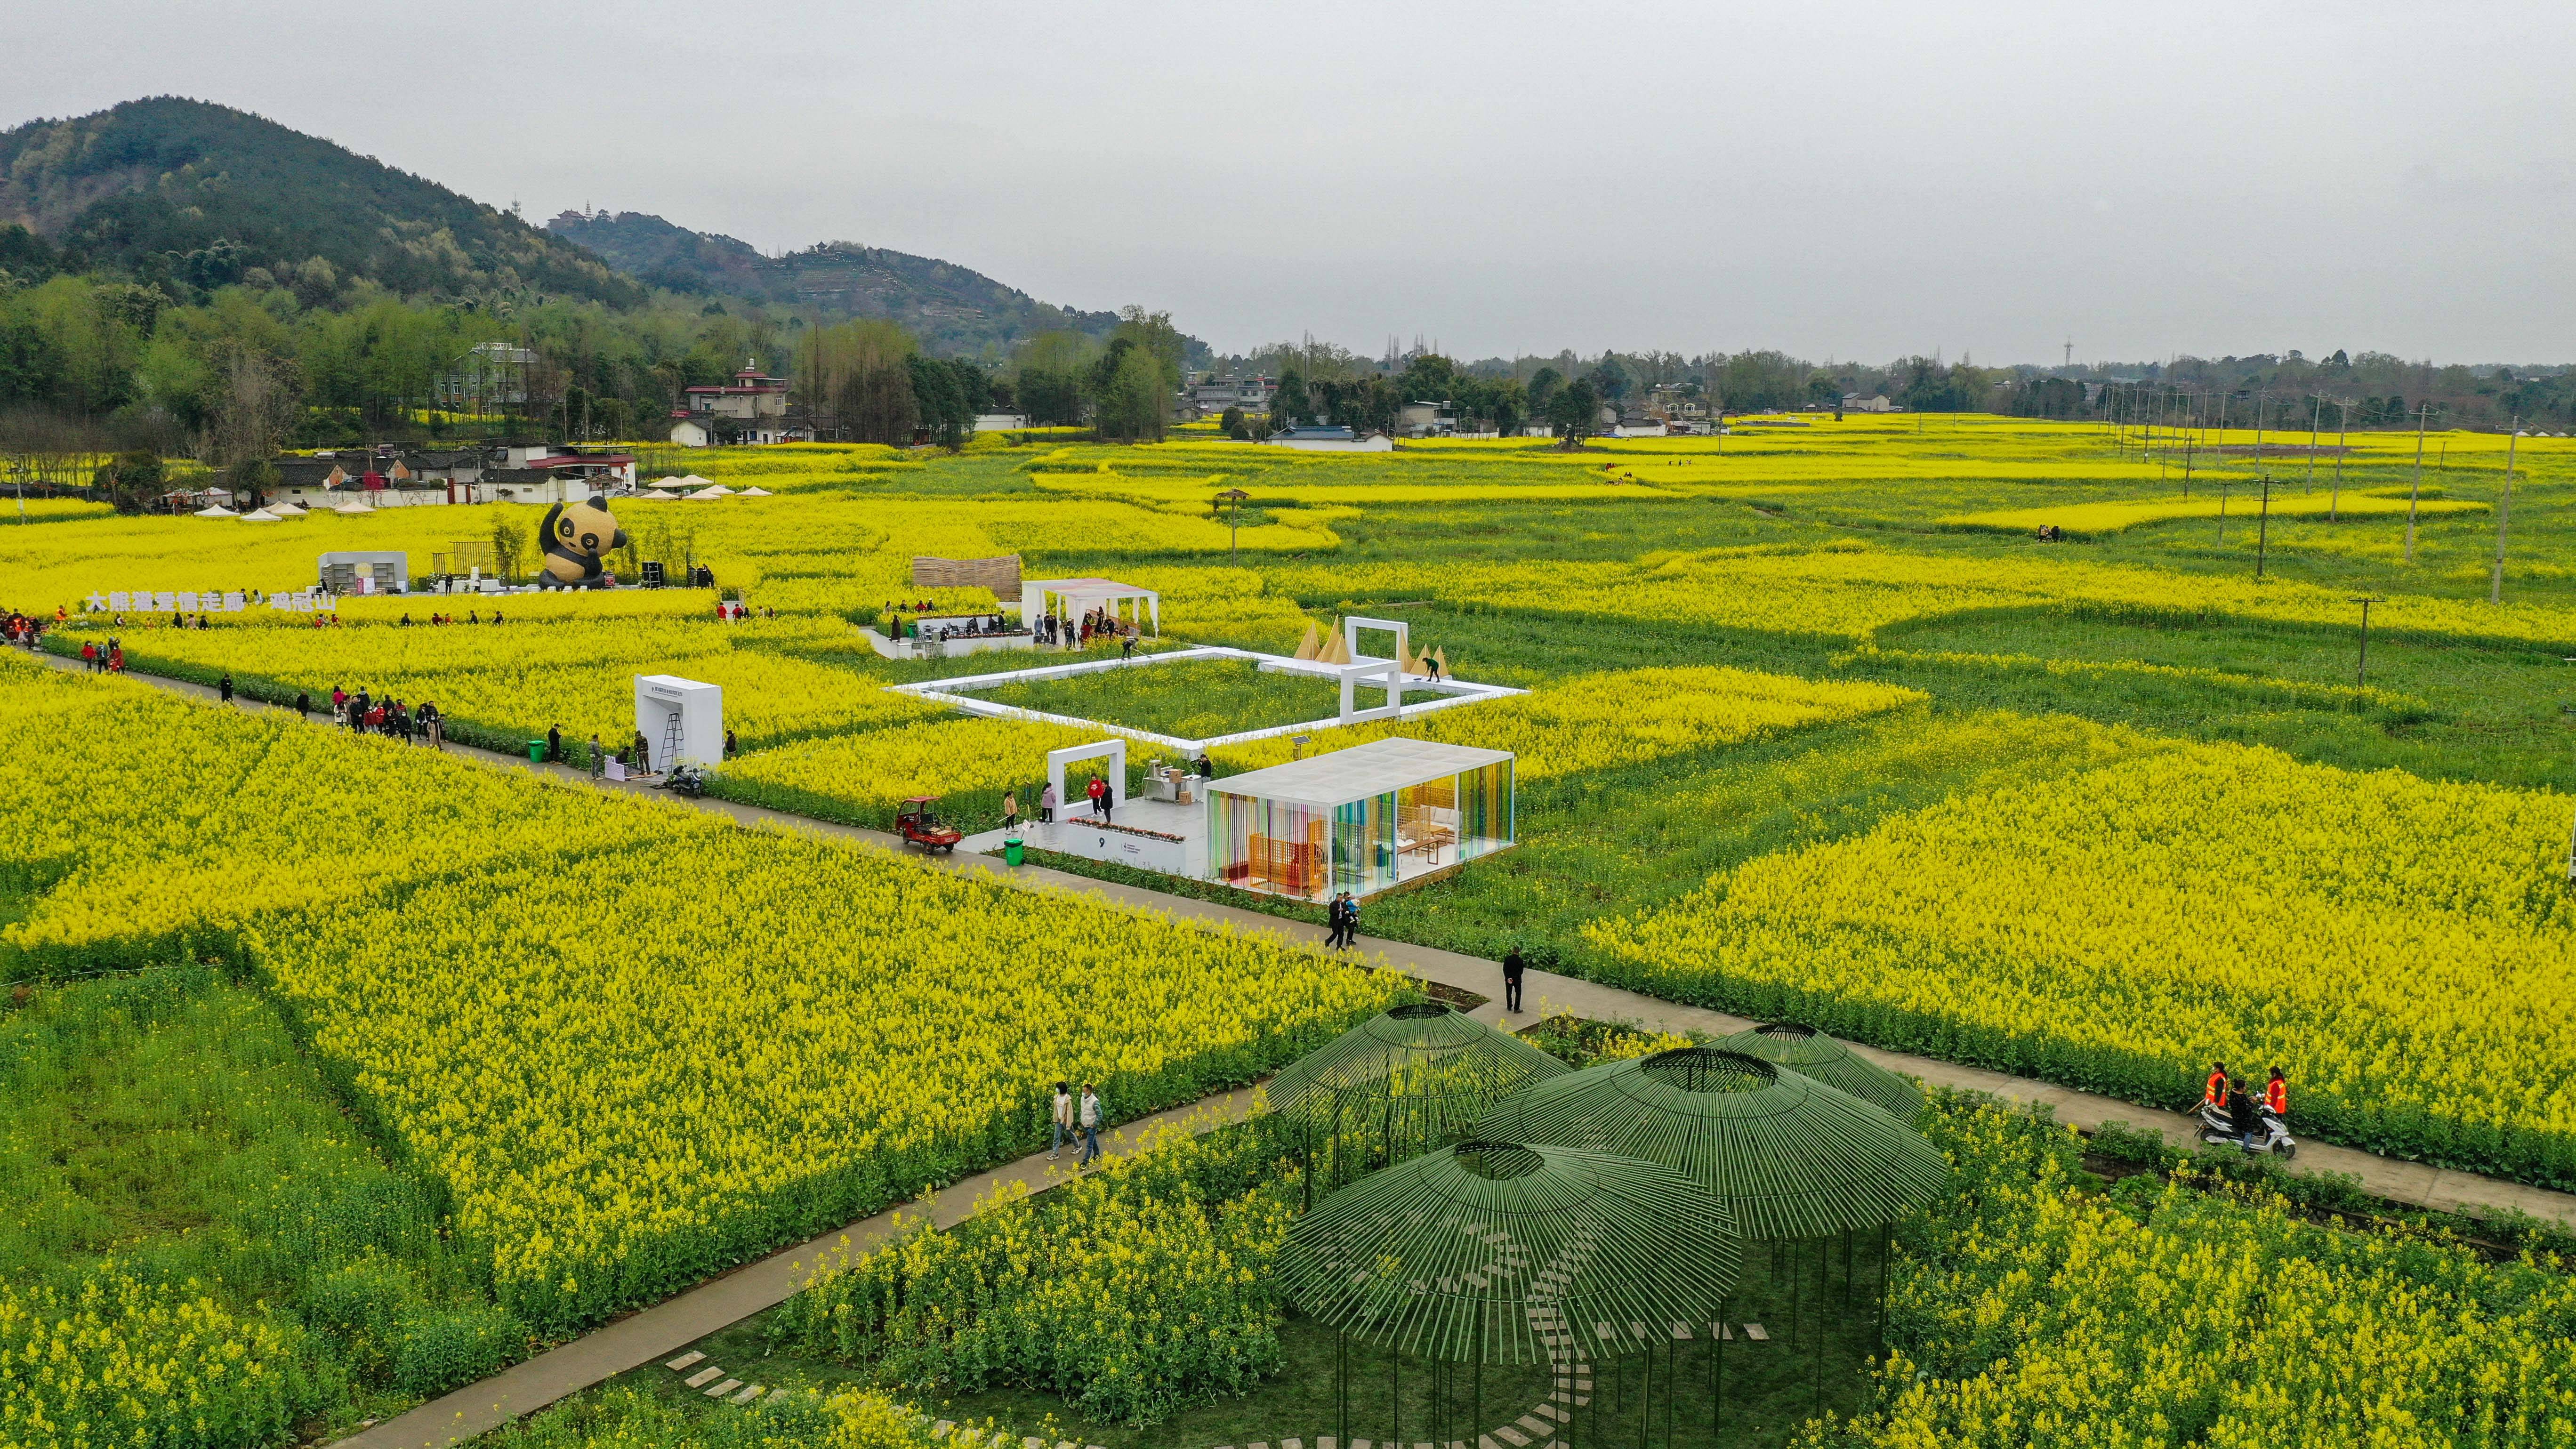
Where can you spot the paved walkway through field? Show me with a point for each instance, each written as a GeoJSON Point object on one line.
{"type": "Point", "coordinates": [715, 1305]}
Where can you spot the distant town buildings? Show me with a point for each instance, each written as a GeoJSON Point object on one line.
{"type": "Point", "coordinates": [1875, 403]}
{"type": "Point", "coordinates": [389, 477]}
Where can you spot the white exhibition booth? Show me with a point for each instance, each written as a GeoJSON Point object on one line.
{"type": "Point", "coordinates": [681, 720]}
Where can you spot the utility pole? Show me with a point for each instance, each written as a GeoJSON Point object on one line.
{"type": "Point", "coordinates": [2416, 490]}
{"type": "Point", "coordinates": [2343, 429]}
{"type": "Point", "coordinates": [2191, 435]}
{"type": "Point", "coordinates": [2361, 670]}
{"type": "Point", "coordinates": [2315, 416]}
{"type": "Point", "coordinates": [2263, 530]}
{"type": "Point", "coordinates": [2504, 510]}
{"type": "Point", "coordinates": [1234, 497]}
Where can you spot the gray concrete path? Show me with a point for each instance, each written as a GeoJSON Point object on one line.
{"type": "Point", "coordinates": [728, 1299]}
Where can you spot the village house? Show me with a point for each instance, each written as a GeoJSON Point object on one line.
{"type": "Point", "coordinates": [750, 409]}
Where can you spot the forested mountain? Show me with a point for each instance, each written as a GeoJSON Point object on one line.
{"type": "Point", "coordinates": [952, 309]}
{"type": "Point", "coordinates": [184, 192]}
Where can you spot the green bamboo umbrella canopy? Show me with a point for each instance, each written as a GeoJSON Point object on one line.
{"type": "Point", "coordinates": [1480, 1252]}
{"type": "Point", "coordinates": [1791, 1156]}
{"type": "Point", "coordinates": [1435, 1068]}
{"type": "Point", "coordinates": [1811, 1053]}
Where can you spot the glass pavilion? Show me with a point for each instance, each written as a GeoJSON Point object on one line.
{"type": "Point", "coordinates": [1362, 820]}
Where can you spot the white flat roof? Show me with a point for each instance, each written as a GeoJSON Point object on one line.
{"type": "Point", "coordinates": [1375, 768]}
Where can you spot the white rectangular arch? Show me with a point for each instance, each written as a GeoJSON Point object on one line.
{"type": "Point", "coordinates": [1352, 624]}
{"type": "Point", "coordinates": [1115, 749]}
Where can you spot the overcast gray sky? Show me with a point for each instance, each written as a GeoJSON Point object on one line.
{"type": "Point", "coordinates": [1847, 180]}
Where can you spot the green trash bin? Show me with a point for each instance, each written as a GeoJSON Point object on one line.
{"type": "Point", "coordinates": [1011, 852]}
{"type": "Point", "coordinates": [536, 752]}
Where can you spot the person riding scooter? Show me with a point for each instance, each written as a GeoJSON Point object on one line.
{"type": "Point", "coordinates": [2256, 1127]}
{"type": "Point", "coordinates": [2242, 1116]}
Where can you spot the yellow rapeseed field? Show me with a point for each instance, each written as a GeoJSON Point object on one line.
{"type": "Point", "coordinates": [1612, 718]}
{"type": "Point", "coordinates": [2402, 948]}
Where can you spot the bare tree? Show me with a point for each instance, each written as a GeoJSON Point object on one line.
{"type": "Point", "coordinates": [258, 399]}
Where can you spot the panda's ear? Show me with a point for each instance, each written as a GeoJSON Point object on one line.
{"type": "Point", "coordinates": [619, 541]}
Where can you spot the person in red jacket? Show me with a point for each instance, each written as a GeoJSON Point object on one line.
{"type": "Point", "coordinates": [2214, 1094]}
{"type": "Point", "coordinates": [2276, 1095]}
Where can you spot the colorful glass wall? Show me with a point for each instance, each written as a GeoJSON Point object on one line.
{"type": "Point", "coordinates": [1270, 846]}
{"type": "Point", "coordinates": [1486, 810]}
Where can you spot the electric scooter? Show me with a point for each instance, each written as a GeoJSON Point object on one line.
{"type": "Point", "coordinates": [2274, 1138]}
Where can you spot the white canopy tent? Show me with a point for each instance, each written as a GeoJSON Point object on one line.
{"type": "Point", "coordinates": [216, 510]}
{"type": "Point", "coordinates": [755, 493]}
{"type": "Point", "coordinates": [352, 506]}
{"type": "Point", "coordinates": [664, 494]}
{"type": "Point", "coordinates": [259, 515]}
{"type": "Point", "coordinates": [1077, 597]}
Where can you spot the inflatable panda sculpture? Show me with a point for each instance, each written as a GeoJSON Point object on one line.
{"type": "Point", "coordinates": [575, 539]}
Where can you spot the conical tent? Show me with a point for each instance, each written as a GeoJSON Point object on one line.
{"type": "Point", "coordinates": [1452, 1065]}
{"type": "Point", "coordinates": [1307, 648]}
{"type": "Point", "coordinates": [1793, 1157]}
{"type": "Point", "coordinates": [1481, 1252]}
{"type": "Point", "coordinates": [1402, 1082]}
{"type": "Point", "coordinates": [1811, 1053]}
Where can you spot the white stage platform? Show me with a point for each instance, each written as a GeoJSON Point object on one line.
{"type": "Point", "coordinates": [1077, 832]}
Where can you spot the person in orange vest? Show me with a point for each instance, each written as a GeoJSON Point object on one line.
{"type": "Point", "coordinates": [2276, 1095]}
{"type": "Point", "coordinates": [2214, 1093]}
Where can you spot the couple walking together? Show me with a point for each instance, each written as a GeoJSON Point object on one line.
{"type": "Point", "coordinates": [1079, 1120]}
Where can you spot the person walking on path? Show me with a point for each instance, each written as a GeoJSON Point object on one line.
{"type": "Point", "coordinates": [1088, 1116]}
{"type": "Point", "coordinates": [434, 725]}
{"type": "Point", "coordinates": [1046, 804]}
{"type": "Point", "coordinates": [554, 743]}
{"type": "Point", "coordinates": [1098, 790]}
{"type": "Point", "coordinates": [224, 686]}
{"type": "Point", "coordinates": [303, 704]}
{"type": "Point", "coordinates": [1062, 1114]}
{"type": "Point", "coordinates": [598, 756]}
{"type": "Point", "coordinates": [1512, 968]}
{"type": "Point", "coordinates": [2276, 1095]}
{"type": "Point", "coordinates": [1010, 810]}
{"type": "Point", "coordinates": [89, 658]}
{"type": "Point", "coordinates": [643, 755]}
{"type": "Point", "coordinates": [1350, 920]}
{"type": "Point", "coordinates": [1333, 920]}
